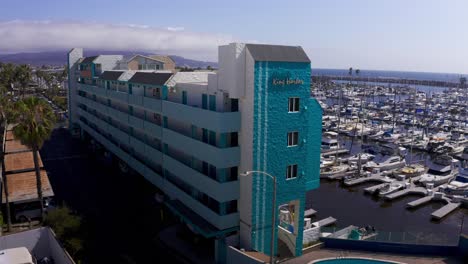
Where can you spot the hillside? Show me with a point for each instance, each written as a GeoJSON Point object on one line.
{"type": "Point", "coordinates": [60, 58]}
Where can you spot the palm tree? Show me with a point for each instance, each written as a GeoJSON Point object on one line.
{"type": "Point", "coordinates": [23, 76]}
{"type": "Point", "coordinates": [35, 122]}
{"type": "Point", "coordinates": [8, 75]}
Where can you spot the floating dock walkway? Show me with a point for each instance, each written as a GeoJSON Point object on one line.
{"type": "Point", "coordinates": [309, 212]}
{"type": "Point", "coordinates": [419, 202]}
{"type": "Point", "coordinates": [324, 222]}
{"type": "Point", "coordinates": [411, 190]}
{"type": "Point", "coordinates": [445, 210]}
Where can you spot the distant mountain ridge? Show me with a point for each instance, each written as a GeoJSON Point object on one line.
{"type": "Point", "coordinates": [58, 58]}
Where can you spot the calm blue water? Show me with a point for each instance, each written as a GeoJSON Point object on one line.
{"type": "Point", "coordinates": [351, 261]}
{"type": "Point", "coordinates": [422, 88]}
{"type": "Point", "coordinates": [448, 77]}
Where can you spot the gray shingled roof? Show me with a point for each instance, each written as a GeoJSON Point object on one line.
{"type": "Point", "coordinates": [262, 52]}
{"type": "Point", "coordinates": [89, 59]}
{"type": "Point", "coordinates": [111, 75]}
{"type": "Point", "coordinates": [152, 78]}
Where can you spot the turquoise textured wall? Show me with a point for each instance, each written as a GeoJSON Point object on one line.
{"type": "Point", "coordinates": [272, 122]}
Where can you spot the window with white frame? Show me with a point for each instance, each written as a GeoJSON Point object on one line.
{"type": "Point", "coordinates": [291, 172]}
{"type": "Point", "coordinates": [293, 104]}
{"type": "Point", "coordinates": [293, 138]}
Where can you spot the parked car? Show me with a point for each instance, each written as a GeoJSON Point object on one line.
{"type": "Point", "coordinates": [24, 212]}
{"type": "Point", "coordinates": [20, 255]}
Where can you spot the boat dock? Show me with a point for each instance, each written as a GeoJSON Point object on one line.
{"type": "Point", "coordinates": [411, 190]}
{"type": "Point", "coordinates": [445, 210]}
{"type": "Point", "coordinates": [309, 212]}
{"type": "Point", "coordinates": [324, 222]}
{"type": "Point", "coordinates": [367, 179]}
{"type": "Point", "coordinates": [419, 201]}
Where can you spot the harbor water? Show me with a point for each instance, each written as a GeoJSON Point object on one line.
{"type": "Point", "coordinates": [352, 207]}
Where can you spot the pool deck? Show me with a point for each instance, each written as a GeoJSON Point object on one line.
{"type": "Point", "coordinates": [321, 253]}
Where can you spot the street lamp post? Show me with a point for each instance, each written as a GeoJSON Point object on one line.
{"type": "Point", "coordinates": [273, 214]}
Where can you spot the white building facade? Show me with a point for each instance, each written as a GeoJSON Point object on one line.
{"type": "Point", "coordinates": [192, 133]}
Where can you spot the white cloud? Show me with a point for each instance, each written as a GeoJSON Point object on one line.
{"type": "Point", "coordinates": [175, 28]}
{"type": "Point", "coordinates": [31, 36]}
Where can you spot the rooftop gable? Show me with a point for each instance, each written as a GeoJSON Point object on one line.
{"type": "Point", "coordinates": [263, 52]}
{"type": "Point", "coordinates": [111, 75]}
{"type": "Point", "coordinates": [152, 78]}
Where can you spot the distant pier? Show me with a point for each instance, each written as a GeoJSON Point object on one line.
{"type": "Point", "coordinates": [387, 80]}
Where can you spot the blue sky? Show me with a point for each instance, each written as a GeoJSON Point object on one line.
{"type": "Point", "coordinates": [416, 35]}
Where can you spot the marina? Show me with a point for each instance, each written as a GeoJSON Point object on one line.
{"type": "Point", "coordinates": [402, 144]}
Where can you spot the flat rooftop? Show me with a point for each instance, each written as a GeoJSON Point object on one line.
{"type": "Point", "coordinates": [20, 161]}
{"type": "Point", "coordinates": [22, 186]}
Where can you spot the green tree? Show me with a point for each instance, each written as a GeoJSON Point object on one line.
{"type": "Point", "coordinates": [67, 227]}
{"type": "Point", "coordinates": [23, 77]}
{"type": "Point", "coordinates": [35, 121]}
{"type": "Point", "coordinates": [8, 75]}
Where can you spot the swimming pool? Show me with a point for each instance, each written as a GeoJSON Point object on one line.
{"type": "Point", "coordinates": [352, 261]}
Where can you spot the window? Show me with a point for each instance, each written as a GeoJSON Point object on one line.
{"type": "Point", "coordinates": [291, 172]}
{"type": "Point", "coordinates": [293, 104]}
{"type": "Point", "coordinates": [293, 138]}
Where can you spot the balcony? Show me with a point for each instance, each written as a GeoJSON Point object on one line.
{"type": "Point", "coordinates": [118, 115]}
{"type": "Point", "coordinates": [222, 192]}
{"type": "Point", "coordinates": [220, 222]}
{"type": "Point", "coordinates": [149, 174]}
{"type": "Point", "coordinates": [152, 104]}
{"type": "Point", "coordinates": [221, 122]}
{"type": "Point", "coordinates": [136, 122]}
{"type": "Point", "coordinates": [136, 100]}
{"type": "Point", "coordinates": [121, 136]}
{"type": "Point", "coordinates": [219, 157]}
{"type": "Point", "coordinates": [119, 96]}
{"type": "Point", "coordinates": [152, 129]}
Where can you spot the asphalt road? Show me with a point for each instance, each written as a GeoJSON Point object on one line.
{"type": "Point", "coordinates": [120, 215]}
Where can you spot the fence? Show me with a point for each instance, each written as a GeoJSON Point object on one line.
{"type": "Point", "coordinates": [406, 237]}
{"type": "Point", "coordinates": [386, 241]}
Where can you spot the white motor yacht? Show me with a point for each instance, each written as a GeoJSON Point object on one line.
{"type": "Point", "coordinates": [390, 188]}
{"type": "Point", "coordinates": [441, 170]}
{"type": "Point", "coordinates": [365, 157]}
{"type": "Point", "coordinates": [459, 185]}
{"type": "Point", "coordinates": [464, 155]}
{"type": "Point", "coordinates": [386, 163]}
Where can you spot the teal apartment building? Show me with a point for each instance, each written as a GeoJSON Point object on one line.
{"type": "Point", "coordinates": [192, 134]}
